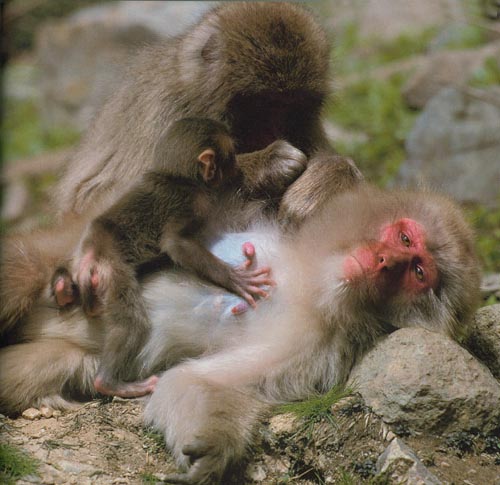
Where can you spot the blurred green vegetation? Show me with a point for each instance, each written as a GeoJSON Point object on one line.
{"type": "Point", "coordinates": [488, 74]}
{"type": "Point", "coordinates": [487, 224]}
{"type": "Point", "coordinates": [24, 135]}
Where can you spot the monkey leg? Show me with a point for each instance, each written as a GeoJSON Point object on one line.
{"type": "Point", "coordinates": [326, 176]}
{"type": "Point", "coordinates": [44, 372]}
{"type": "Point", "coordinates": [208, 426]}
{"type": "Point", "coordinates": [126, 389]}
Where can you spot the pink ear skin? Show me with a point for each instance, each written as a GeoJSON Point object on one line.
{"type": "Point", "coordinates": [208, 166]}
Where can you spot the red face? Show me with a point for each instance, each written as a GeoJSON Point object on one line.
{"type": "Point", "coordinates": [398, 262]}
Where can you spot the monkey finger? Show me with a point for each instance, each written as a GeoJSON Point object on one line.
{"type": "Point", "coordinates": [261, 281]}
{"type": "Point", "coordinates": [248, 298]}
{"type": "Point", "coordinates": [265, 270]}
{"type": "Point", "coordinates": [257, 290]}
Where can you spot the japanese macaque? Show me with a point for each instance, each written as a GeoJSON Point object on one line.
{"type": "Point", "coordinates": [262, 69]}
{"type": "Point", "coordinates": [368, 262]}
{"type": "Point", "coordinates": [167, 213]}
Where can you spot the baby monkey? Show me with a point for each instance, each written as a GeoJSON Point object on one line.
{"type": "Point", "coordinates": [165, 214]}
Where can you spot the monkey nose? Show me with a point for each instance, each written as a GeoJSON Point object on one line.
{"type": "Point", "coordinates": [392, 261]}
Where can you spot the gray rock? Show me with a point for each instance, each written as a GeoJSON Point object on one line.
{"type": "Point", "coordinates": [424, 381]}
{"type": "Point", "coordinates": [484, 338]}
{"type": "Point", "coordinates": [388, 19]}
{"type": "Point", "coordinates": [82, 57]}
{"type": "Point", "coordinates": [490, 285]}
{"type": "Point", "coordinates": [455, 146]}
{"type": "Point", "coordinates": [443, 69]}
{"type": "Point", "coordinates": [401, 464]}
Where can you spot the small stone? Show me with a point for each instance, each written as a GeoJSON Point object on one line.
{"type": "Point", "coordinates": [31, 414]}
{"type": "Point", "coordinates": [283, 423]}
{"type": "Point", "coordinates": [46, 412]}
{"type": "Point", "coordinates": [56, 413]}
{"type": "Point", "coordinates": [390, 436]}
{"type": "Point", "coordinates": [256, 472]}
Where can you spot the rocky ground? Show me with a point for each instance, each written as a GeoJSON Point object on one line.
{"type": "Point", "coordinates": [104, 442]}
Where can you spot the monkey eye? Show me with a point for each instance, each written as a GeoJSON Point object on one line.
{"type": "Point", "coordinates": [405, 239]}
{"type": "Point", "coordinates": [419, 272]}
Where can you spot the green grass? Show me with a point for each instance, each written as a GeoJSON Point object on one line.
{"type": "Point", "coordinates": [317, 407]}
{"type": "Point", "coordinates": [15, 464]}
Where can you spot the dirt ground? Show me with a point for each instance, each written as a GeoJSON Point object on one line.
{"type": "Point", "coordinates": [104, 442]}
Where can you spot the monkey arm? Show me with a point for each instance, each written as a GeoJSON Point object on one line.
{"type": "Point", "coordinates": [326, 176]}
{"type": "Point", "coordinates": [271, 170]}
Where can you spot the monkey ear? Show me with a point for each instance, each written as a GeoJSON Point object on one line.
{"type": "Point", "coordinates": [208, 167]}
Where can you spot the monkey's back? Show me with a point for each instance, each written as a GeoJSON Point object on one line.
{"type": "Point", "coordinates": [137, 221]}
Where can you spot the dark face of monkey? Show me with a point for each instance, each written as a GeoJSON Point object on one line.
{"type": "Point", "coordinates": [268, 67]}
{"type": "Point", "coordinates": [199, 149]}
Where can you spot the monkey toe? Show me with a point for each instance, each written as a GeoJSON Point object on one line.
{"type": "Point", "coordinates": [64, 290]}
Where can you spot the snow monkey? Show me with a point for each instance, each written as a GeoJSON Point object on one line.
{"type": "Point", "coordinates": [167, 213]}
{"type": "Point", "coordinates": [368, 262]}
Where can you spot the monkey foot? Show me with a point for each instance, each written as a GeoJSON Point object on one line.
{"type": "Point", "coordinates": [65, 291]}
{"type": "Point", "coordinates": [126, 389]}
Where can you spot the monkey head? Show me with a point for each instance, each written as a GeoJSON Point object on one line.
{"type": "Point", "coordinates": [404, 256]}
{"type": "Point", "coordinates": [265, 64]}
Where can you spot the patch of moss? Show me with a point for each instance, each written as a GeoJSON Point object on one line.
{"type": "Point", "coordinates": [15, 464]}
{"type": "Point", "coordinates": [376, 108]}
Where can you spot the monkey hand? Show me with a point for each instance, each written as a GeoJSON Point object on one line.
{"type": "Point", "coordinates": [285, 164]}
{"type": "Point", "coordinates": [206, 465]}
{"type": "Point", "coordinates": [248, 282]}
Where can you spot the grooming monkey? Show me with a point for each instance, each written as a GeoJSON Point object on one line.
{"type": "Point", "coordinates": [369, 262]}
{"type": "Point", "coordinates": [260, 68]}
{"type": "Point", "coordinates": [268, 90]}
{"type": "Point", "coordinates": [167, 213]}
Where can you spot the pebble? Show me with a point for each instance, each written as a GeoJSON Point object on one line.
{"type": "Point", "coordinates": [46, 412]}
{"type": "Point", "coordinates": [31, 414]}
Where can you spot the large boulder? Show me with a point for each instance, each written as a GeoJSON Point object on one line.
{"type": "Point", "coordinates": [446, 68]}
{"type": "Point", "coordinates": [484, 338]}
{"type": "Point", "coordinates": [81, 57]}
{"type": "Point", "coordinates": [422, 381]}
{"type": "Point", "coordinates": [455, 146]}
